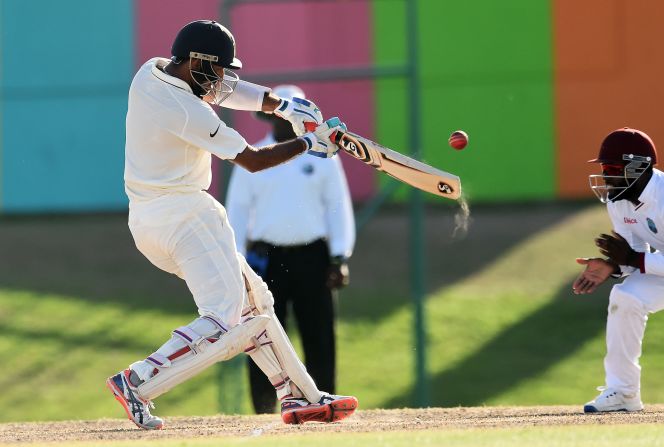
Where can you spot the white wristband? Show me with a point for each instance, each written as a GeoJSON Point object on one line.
{"type": "Point", "coordinates": [247, 96]}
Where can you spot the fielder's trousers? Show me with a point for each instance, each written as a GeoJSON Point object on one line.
{"type": "Point", "coordinates": [296, 276]}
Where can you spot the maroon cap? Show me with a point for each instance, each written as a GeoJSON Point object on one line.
{"type": "Point", "coordinates": [625, 141]}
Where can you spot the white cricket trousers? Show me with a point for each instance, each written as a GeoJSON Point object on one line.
{"type": "Point", "coordinates": [630, 302]}
{"type": "Point", "coordinates": [188, 234]}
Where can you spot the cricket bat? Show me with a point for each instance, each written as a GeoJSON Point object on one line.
{"type": "Point", "coordinates": [399, 166]}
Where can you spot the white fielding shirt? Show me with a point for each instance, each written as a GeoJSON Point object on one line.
{"type": "Point", "coordinates": [294, 203]}
{"type": "Point", "coordinates": [171, 134]}
{"type": "Point", "coordinates": [643, 225]}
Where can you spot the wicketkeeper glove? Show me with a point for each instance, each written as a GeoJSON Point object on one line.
{"type": "Point", "coordinates": [298, 111]}
{"type": "Point", "coordinates": [319, 142]}
{"type": "Point", "coordinates": [618, 250]}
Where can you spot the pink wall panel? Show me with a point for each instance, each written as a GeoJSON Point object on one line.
{"type": "Point", "coordinates": [292, 36]}
{"type": "Point", "coordinates": [301, 35]}
{"type": "Point", "coordinates": [158, 21]}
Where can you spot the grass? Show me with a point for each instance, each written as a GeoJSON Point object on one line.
{"type": "Point", "coordinates": [78, 302]}
{"type": "Point", "coordinates": [582, 436]}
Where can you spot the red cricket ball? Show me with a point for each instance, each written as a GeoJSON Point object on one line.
{"type": "Point", "coordinates": [458, 140]}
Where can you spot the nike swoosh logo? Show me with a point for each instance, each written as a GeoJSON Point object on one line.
{"type": "Point", "coordinates": [212, 134]}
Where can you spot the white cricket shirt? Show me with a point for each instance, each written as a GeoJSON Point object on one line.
{"type": "Point", "coordinates": [643, 225]}
{"type": "Point", "coordinates": [171, 135]}
{"type": "Point", "coordinates": [294, 203]}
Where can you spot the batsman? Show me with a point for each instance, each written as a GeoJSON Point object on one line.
{"type": "Point", "coordinates": [171, 134]}
{"type": "Point", "coordinates": [631, 188]}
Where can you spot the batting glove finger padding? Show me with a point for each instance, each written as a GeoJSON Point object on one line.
{"type": "Point", "coordinates": [320, 142]}
{"type": "Point", "coordinates": [299, 111]}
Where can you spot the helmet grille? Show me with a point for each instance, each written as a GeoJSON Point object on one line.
{"type": "Point", "coordinates": [205, 57]}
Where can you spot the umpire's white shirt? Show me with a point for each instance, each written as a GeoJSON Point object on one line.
{"type": "Point", "coordinates": [171, 135]}
{"type": "Point", "coordinates": [294, 203]}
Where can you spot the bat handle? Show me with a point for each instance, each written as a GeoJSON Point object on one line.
{"type": "Point", "coordinates": [336, 137]}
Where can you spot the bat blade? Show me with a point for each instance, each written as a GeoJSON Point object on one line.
{"type": "Point", "coordinates": [399, 166]}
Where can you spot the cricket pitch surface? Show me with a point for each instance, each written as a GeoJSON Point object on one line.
{"type": "Point", "coordinates": [64, 432]}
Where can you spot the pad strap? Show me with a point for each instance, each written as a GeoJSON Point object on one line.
{"type": "Point", "coordinates": [190, 337]}
{"type": "Point", "coordinates": [216, 322]}
{"type": "Point", "coordinates": [281, 384]}
{"type": "Point", "coordinates": [158, 361]}
{"type": "Point", "coordinates": [257, 343]}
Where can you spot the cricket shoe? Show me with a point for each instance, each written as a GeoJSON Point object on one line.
{"type": "Point", "coordinates": [331, 408]}
{"type": "Point", "coordinates": [137, 409]}
{"type": "Point", "coordinates": [612, 400]}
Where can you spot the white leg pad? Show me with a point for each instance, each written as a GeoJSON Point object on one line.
{"type": "Point", "coordinates": [261, 299]}
{"type": "Point", "coordinates": [263, 354]}
{"type": "Point", "coordinates": [201, 354]}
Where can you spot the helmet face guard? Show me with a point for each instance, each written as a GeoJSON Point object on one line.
{"type": "Point", "coordinates": [214, 46]}
{"type": "Point", "coordinates": [213, 88]}
{"type": "Point", "coordinates": [616, 179]}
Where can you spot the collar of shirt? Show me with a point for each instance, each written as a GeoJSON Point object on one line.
{"type": "Point", "coordinates": [157, 70]}
{"type": "Point", "coordinates": [648, 197]}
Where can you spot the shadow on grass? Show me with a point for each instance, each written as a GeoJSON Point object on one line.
{"type": "Point", "coordinates": [87, 257]}
{"type": "Point", "coordinates": [380, 266]}
{"type": "Point", "coordinates": [96, 340]}
{"type": "Point", "coordinates": [524, 350]}
{"type": "Point", "coordinates": [93, 257]}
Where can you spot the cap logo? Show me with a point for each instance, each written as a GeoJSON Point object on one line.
{"type": "Point", "coordinates": [205, 57]}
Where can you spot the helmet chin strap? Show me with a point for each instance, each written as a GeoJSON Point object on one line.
{"type": "Point", "coordinates": [625, 194]}
{"type": "Point", "coordinates": [204, 78]}
{"type": "Point", "coordinates": [198, 90]}
{"type": "Point", "coordinates": [634, 190]}
{"type": "Point", "coordinates": [207, 84]}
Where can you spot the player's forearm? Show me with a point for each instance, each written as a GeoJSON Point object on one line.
{"type": "Point", "coordinates": [256, 159]}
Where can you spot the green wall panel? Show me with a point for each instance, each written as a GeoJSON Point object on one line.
{"type": "Point", "coordinates": [484, 67]}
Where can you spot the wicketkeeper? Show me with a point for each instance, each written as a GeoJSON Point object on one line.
{"type": "Point", "coordinates": [631, 188]}
{"type": "Point", "coordinates": [172, 131]}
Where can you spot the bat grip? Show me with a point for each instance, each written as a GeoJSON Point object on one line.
{"type": "Point", "coordinates": [337, 136]}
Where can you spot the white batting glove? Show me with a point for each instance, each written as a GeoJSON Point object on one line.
{"type": "Point", "coordinates": [319, 142]}
{"type": "Point", "coordinates": [299, 111]}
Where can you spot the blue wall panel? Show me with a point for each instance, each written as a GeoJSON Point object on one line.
{"type": "Point", "coordinates": [66, 69]}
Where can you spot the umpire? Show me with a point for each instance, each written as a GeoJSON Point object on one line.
{"type": "Point", "coordinates": [294, 223]}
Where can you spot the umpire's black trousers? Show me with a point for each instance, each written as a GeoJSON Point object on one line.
{"type": "Point", "coordinates": [296, 276]}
